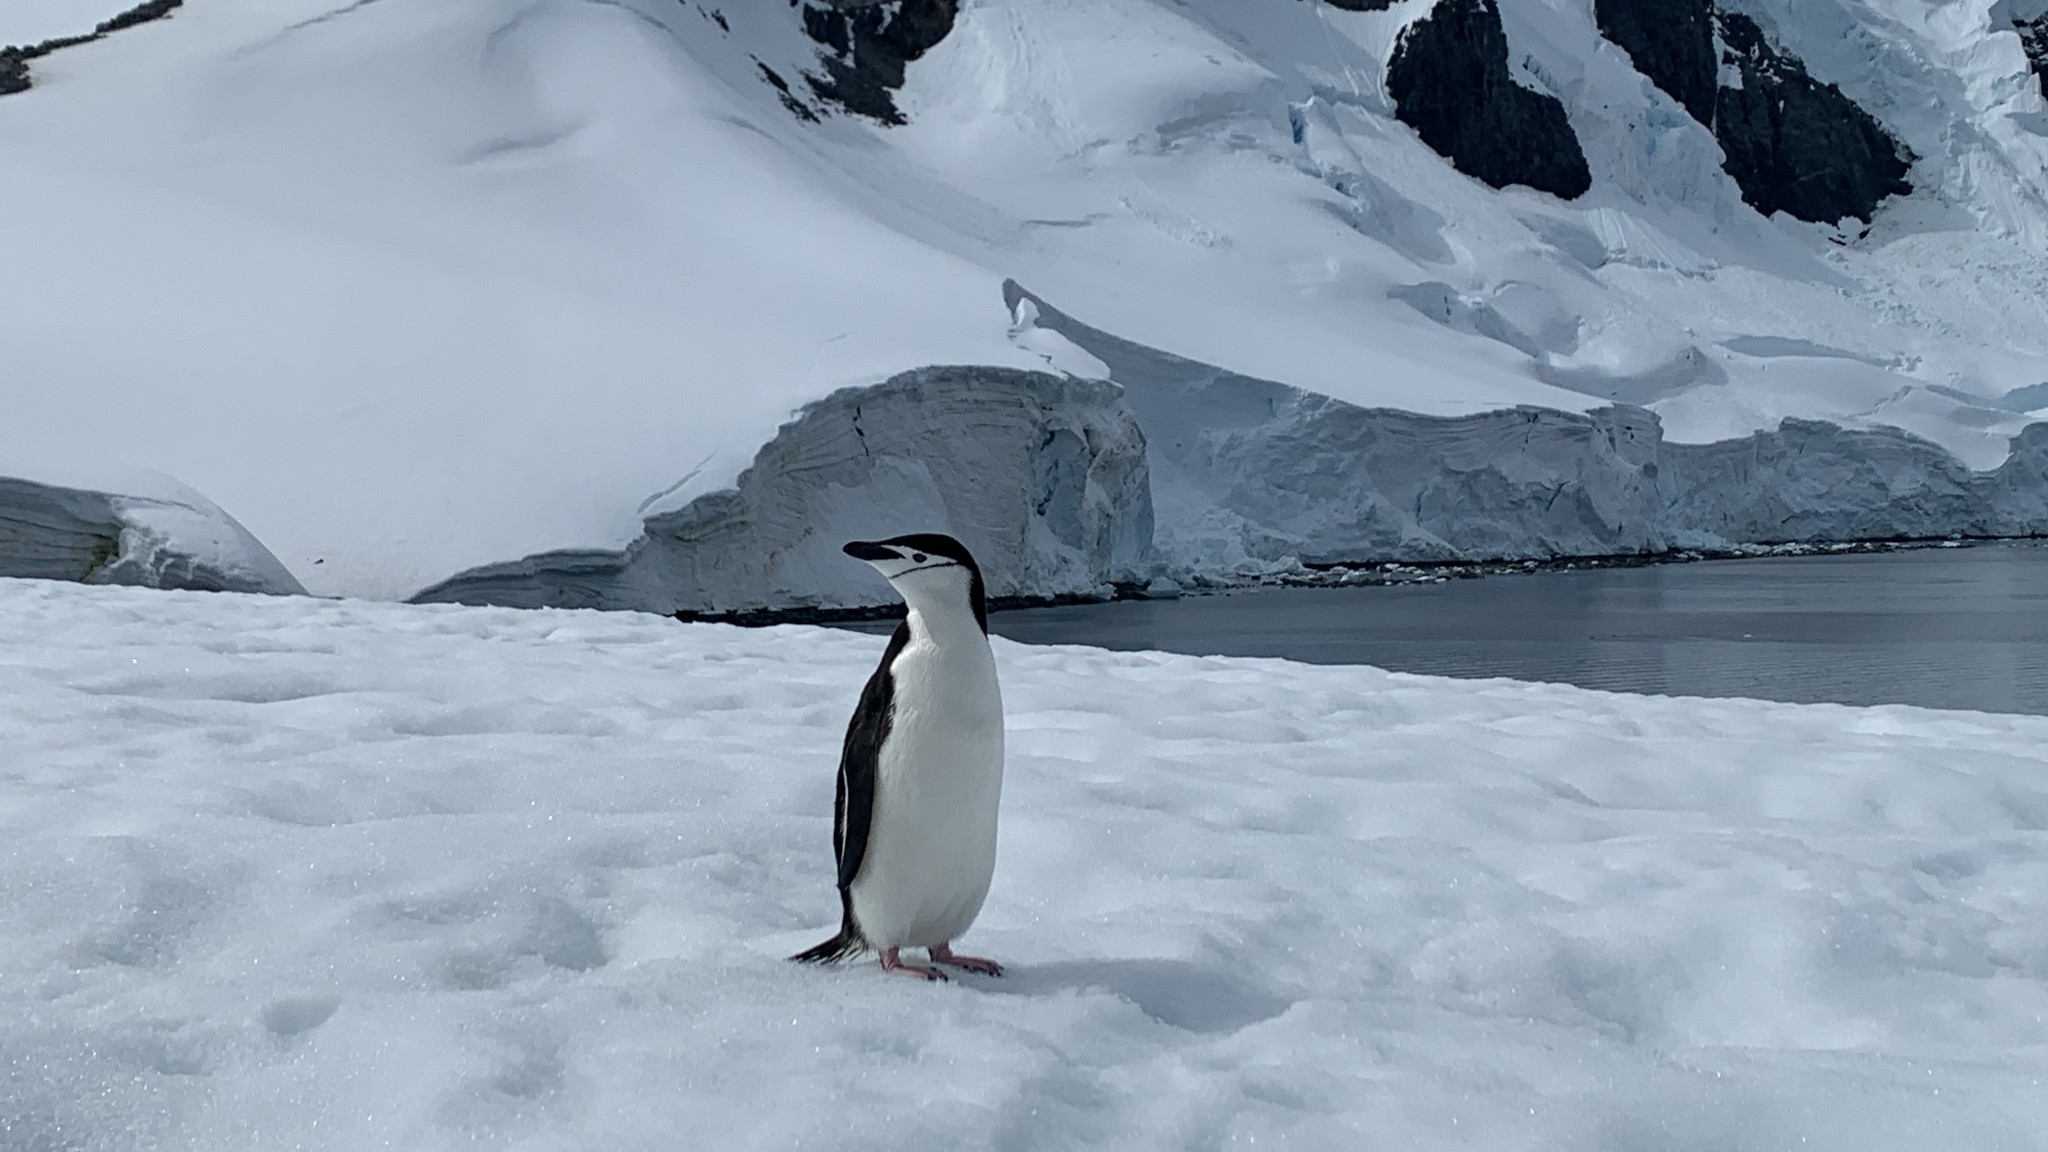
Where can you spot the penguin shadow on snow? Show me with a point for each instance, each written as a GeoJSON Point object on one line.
{"type": "Point", "coordinates": [1174, 992]}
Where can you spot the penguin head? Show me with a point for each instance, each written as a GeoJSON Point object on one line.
{"type": "Point", "coordinates": [927, 569]}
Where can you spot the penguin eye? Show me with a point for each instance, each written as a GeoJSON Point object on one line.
{"type": "Point", "coordinates": [917, 557]}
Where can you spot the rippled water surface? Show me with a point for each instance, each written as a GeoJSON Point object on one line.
{"type": "Point", "coordinates": [1946, 628]}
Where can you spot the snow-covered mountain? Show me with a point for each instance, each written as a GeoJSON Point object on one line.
{"type": "Point", "coordinates": [648, 303]}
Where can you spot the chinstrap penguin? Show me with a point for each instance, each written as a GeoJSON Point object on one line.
{"type": "Point", "coordinates": [921, 772]}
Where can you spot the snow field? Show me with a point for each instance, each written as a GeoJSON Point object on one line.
{"type": "Point", "coordinates": [287, 873]}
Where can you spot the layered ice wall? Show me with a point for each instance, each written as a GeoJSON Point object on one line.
{"type": "Point", "coordinates": [159, 535]}
{"type": "Point", "coordinates": [1043, 476]}
{"type": "Point", "coordinates": [1811, 480]}
{"type": "Point", "coordinates": [1250, 473]}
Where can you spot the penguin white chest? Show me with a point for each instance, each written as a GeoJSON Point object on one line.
{"type": "Point", "coordinates": [931, 849]}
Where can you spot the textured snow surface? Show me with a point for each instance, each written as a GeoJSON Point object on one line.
{"type": "Point", "coordinates": [285, 873]}
{"type": "Point", "coordinates": [415, 288]}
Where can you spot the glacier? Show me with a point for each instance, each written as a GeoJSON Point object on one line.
{"type": "Point", "coordinates": [151, 532]}
{"type": "Point", "coordinates": [1250, 472]}
{"type": "Point", "coordinates": [441, 299]}
{"type": "Point", "coordinates": [1185, 473]}
{"type": "Point", "coordinates": [1044, 475]}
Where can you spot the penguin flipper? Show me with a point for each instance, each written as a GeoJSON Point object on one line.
{"type": "Point", "coordinates": [853, 806]}
{"type": "Point", "coordinates": [859, 759]}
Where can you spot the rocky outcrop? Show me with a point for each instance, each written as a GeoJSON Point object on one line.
{"type": "Point", "coordinates": [866, 45]}
{"type": "Point", "coordinates": [1361, 5]}
{"type": "Point", "coordinates": [14, 76]}
{"type": "Point", "coordinates": [1795, 144]}
{"type": "Point", "coordinates": [1043, 476]}
{"type": "Point", "coordinates": [1672, 43]}
{"type": "Point", "coordinates": [1790, 143]}
{"type": "Point", "coordinates": [14, 60]}
{"type": "Point", "coordinates": [2034, 37]}
{"type": "Point", "coordinates": [1450, 81]}
{"type": "Point", "coordinates": [172, 538]}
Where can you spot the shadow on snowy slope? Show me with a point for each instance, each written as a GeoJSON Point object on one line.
{"type": "Point", "coordinates": [1174, 992]}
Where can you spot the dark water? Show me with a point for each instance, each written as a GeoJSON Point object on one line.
{"type": "Point", "coordinates": [1946, 628]}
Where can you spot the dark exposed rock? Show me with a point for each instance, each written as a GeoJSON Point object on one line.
{"type": "Point", "coordinates": [1361, 5]}
{"type": "Point", "coordinates": [1790, 142]}
{"type": "Point", "coordinates": [865, 45]}
{"type": "Point", "coordinates": [1795, 144]}
{"type": "Point", "coordinates": [2034, 36]}
{"type": "Point", "coordinates": [797, 108]}
{"type": "Point", "coordinates": [769, 617]}
{"type": "Point", "coordinates": [140, 14]}
{"type": "Point", "coordinates": [14, 71]}
{"type": "Point", "coordinates": [1671, 42]}
{"type": "Point", "coordinates": [1450, 82]}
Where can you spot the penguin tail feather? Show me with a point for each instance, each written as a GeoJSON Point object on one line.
{"type": "Point", "coordinates": [849, 941]}
{"type": "Point", "coordinates": [832, 951]}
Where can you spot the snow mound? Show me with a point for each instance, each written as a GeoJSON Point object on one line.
{"type": "Point", "coordinates": [289, 873]}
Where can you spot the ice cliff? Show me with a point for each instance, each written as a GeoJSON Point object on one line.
{"type": "Point", "coordinates": [1250, 473]}
{"type": "Point", "coordinates": [156, 534]}
{"type": "Point", "coordinates": [1042, 475]}
{"type": "Point", "coordinates": [1789, 141]}
{"type": "Point", "coordinates": [1070, 486]}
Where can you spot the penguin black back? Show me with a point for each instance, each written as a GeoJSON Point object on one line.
{"type": "Point", "coordinates": [853, 805]}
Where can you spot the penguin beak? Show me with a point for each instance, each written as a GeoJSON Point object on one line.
{"type": "Point", "coordinates": [871, 552]}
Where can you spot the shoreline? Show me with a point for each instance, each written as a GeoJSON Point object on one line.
{"type": "Point", "coordinates": [1362, 574]}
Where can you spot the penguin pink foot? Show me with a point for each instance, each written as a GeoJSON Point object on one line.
{"type": "Point", "coordinates": [892, 963]}
{"type": "Point", "coordinates": [944, 954]}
